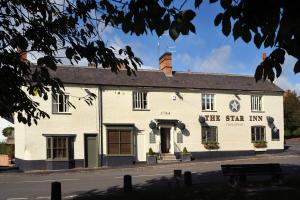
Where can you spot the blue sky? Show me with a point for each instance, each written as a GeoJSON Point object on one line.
{"type": "Point", "coordinates": [206, 51]}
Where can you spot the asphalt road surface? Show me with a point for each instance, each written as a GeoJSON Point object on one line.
{"type": "Point", "coordinates": [22, 186]}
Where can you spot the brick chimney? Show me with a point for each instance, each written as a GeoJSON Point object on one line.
{"type": "Point", "coordinates": [165, 63]}
{"type": "Point", "coordinates": [264, 56]}
{"type": "Point", "coordinates": [23, 54]}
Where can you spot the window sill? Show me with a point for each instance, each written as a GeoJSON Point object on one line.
{"type": "Point", "coordinates": [209, 111]}
{"type": "Point", "coordinates": [257, 111]}
{"type": "Point", "coordinates": [140, 109]}
{"type": "Point", "coordinates": [61, 113]}
{"type": "Point", "coordinates": [118, 155]}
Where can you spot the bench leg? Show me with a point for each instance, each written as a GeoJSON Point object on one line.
{"type": "Point", "coordinates": [277, 179]}
{"type": "Point", "coordinates": [235, 181]}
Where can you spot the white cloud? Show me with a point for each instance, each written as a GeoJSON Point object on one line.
{"type": "Point", "coordinates": [216, 61]}
{"type": "Point", "coordinates": [284, 83]}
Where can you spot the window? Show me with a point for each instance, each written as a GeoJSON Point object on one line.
{"type": "Point", "coordinates": [258, 133]}
{"type": "Point", "coordinates": [275, 134]}
{"type": "Point", "coordinates": [60, 103]}
{"type": "Point", "coordinates": [119, 142]}
{"type": "Point", "coordinates": [256, 103]}
{"type": "Point", "coordinates": [140, 101]}
{"type": "Point", "coordinates": [60, 148]}
{"type": "Point", "coordinates": [208, 102]}
{"type": "Point", "coordinates": [209, 134]}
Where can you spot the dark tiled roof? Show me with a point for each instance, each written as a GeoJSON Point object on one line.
{"type": "Point", "coordinates": [156, 78]}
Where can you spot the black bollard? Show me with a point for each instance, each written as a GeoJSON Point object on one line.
{"type": "Point", "coordinates": [177, 173]}
{"type": "Point", "coordinates": [188, 178]}
{"type": "Point", "coordinates": [56, 191]}
{"type": "Point", "coordinates": [127, 183]}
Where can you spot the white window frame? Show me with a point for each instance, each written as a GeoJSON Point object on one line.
{"type": "Point", "coordinates": [255, 129]}
{"type": "Point", "coordinates": [140, 100]}
{"type": "Point", "coordinates": [256, 103]}
{"type": "Point", "coordinates": [56, 102]}
{"type": "Point", "coordinates": [209, 102]}
{"type": "Point", "coordinates": [205, 131]}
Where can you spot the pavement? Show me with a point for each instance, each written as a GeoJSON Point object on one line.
{"type": "Point", "coordinates": [37, 185]}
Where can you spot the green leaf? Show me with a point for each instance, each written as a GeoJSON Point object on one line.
{"type": "Point", "coordinates": [237, 30]}
{"type": "Point", "coordinates": [189, 15]}
{"type": "Point", "coordinates": [167, 2]}
{"type": "Point", "coordinates": [278, 55]}
{"type": "Point", "coordinates": [226, 26]}
{"type": "Point", "coordinates": [246, 34]}
{"type": "Point", "coordinates": [173, 31]}
{"type": "Point", "coordinates": [198, 3]}
{"type": "Point", "coordinates": [226, 3]}
{"type": "Point", "coordinates": [258, 72]}
{"type": "Point", "coordinates": [218, 19]}
{"type": "Point", "coordinates": [278, 69]}
{"type": "Point", "coordinates": [258, 40]}
{"type": "Point", "coordinates": [297, 67]}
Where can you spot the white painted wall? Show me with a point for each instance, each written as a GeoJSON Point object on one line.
{"type": "Point", "coordinates": [231, 135]}
{"type": "Point", "coordinates": [31, 144]}
{"type": "Point", "coordinates": [117, 108]}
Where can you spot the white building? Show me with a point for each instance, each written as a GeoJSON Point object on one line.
{"type": "Point", "coordinates": [188, 110]}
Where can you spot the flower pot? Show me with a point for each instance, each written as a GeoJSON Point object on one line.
{"type": "Point", "coordinates": [151, 160]}
{"type": "Point", "coordinates": [211, 146]}
{"type": "Point", "coordinates": [186, 157]}
{"type": "Point", "coordinates": [260, 144]}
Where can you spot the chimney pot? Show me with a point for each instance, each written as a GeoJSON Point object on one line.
{"type": "Point", "coordinates": [165, 63]}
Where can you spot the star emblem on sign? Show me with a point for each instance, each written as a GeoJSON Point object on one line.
{"type": "Point", "coordinates": [234, 106]}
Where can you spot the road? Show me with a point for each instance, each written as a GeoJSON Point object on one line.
{"type": "Point", "coordinates": [22, 186]}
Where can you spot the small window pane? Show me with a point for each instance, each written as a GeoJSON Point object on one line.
{"type": "Point", "coordinates": [125, 136]}
{"type": "Point", "coordinates": [113, 136]}
{"type": "Point", "coordinates": [113, 148]}
{"type": "Point", "coordinates": [125, 148]}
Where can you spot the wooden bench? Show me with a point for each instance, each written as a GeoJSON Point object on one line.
{"type": "Point", "coordinates": [238, 173]}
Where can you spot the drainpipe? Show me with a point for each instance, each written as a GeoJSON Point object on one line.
{"type": "Point", "coordinates": [100, 123]}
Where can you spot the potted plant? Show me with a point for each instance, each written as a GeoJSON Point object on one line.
{"type": "Point", "coordinates": [185, 155]}
{"type": "Point", "coordinates": [151, 157]}
{"type": "Point", "coordinates": [260, 144]}
{"type": "Point", "coordinates": [211, 145]}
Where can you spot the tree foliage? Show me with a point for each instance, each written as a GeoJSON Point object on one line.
{"type": "Point", "coordinates": [72, 26]}
{"type": "Point", "coordinates": [8, 131]}
{"type": "Point", "coordinates": [291, 110]}
{"type": "Point", "coordinates": [271, 23]}
{"type": "Point", "coordinates": [46, 27]}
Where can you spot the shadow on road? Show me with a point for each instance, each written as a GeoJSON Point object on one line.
{"type": "Point", "coordinates": [208, 185]}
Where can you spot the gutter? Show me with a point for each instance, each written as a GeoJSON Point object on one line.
{"type": "Point", "coordinates": [100, 123]}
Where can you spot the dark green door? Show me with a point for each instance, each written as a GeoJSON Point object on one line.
{"type": "Point", "coordinates": [91, 151]}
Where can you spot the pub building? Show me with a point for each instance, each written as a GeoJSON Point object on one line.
{"type": "Point", "coordinates": [209, 115]}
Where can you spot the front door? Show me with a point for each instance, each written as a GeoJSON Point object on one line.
{"type": "Point", "coordinates": [91, 153]}
{"type": "Point", "coordinates": [165, 140]}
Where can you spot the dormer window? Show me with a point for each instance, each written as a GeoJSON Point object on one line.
{"type": "Point", "coordinates": [60, 103]}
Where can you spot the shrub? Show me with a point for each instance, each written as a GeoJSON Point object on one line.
{"type": "Point", "coordinates": [185, 151]}
{"type": "Point", "coordinates": [7, 150]}
{"type": "Point", "coordinates": [292, 134]}
{"type": "Point", "coordinates": [151, 152]}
